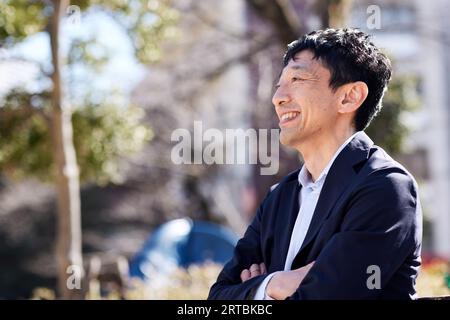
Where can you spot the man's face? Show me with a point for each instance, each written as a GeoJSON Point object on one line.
{"type": "Point", "coordinates": [303, 100]}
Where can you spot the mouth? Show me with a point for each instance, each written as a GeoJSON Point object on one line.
{"type": "Point", "coordinates": [288, 117]}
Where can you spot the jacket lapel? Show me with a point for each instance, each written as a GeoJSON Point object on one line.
{"type": "Point", "coordinates": [339, 177]}
{"type": "Point", "coordinates": [290, 206]}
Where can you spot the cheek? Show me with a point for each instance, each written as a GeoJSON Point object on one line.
{"type": "Point", "coordinates": [319, 112]}
{"type": "Point", "coordinates": [313, 96]}
{"type": "Point", "coordinates": [315, 103]}
{"type": "Point", "coordinates": [324, 103]}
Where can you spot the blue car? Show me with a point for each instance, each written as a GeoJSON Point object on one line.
{"type": "Point", "coordinates": [181, 243]}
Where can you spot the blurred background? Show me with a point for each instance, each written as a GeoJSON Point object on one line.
{"type": "Point", "coordinates": [91, 204]}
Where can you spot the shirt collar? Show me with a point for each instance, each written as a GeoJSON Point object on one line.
{"type": "Point", "coordinates": [304, 177]}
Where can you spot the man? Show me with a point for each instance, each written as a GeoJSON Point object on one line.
{"type": "Point", "coordinates": [347, 225]}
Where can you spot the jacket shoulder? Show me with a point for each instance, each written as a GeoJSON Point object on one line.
{"type": "Point", "coordinates": [381, 164]}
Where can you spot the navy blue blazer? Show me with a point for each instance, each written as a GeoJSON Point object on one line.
{"type": "Point", "coordinates": [368, 214]}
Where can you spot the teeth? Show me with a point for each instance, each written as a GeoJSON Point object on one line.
{"type": "Point", "coordinates": [289, 115]}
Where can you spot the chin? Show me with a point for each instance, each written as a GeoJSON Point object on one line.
{"type": "Point", "coordinates": [288, 139]}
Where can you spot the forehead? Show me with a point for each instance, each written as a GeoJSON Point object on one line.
{"type": "Point", "coordinates": [304, 61]}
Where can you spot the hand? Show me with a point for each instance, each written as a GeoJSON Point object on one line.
{"type": "Point", "coordinates": [283, 284]}
{"type": "Point", "coordinates": [254, 270]}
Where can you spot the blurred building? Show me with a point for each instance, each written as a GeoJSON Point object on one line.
{"type": "Point", "coordinates": [415, 34]}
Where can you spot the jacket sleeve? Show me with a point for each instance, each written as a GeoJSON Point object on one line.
{"type": "Point", "coordinates": [247, 251]}
{"type": "Point", "coordinates": [381, 228]}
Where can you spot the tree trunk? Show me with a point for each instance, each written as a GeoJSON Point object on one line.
{"type": "Point", "coordinates": [333, 13]}
{"type": "Point", "coordinates": [68, 247]}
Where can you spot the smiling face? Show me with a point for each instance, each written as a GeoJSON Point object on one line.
{"type": "Point", "coordinates": [304, 102]}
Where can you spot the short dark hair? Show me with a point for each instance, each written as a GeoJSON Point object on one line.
{"type": "Point", "coordinates": [350, 56]}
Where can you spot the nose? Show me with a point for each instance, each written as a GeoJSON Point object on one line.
{"type": "Point", "coordinates": [280, 97]}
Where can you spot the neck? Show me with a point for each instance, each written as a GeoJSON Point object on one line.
{"type": "Point", "coordinates": [318, 152]}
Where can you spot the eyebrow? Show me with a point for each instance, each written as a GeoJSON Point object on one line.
{"type": "Point", "coordinates": [294, 67]}
{"type": "Point", "coordinates": [298, 67]}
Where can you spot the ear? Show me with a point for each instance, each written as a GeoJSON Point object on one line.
{"type": "Point", "coordinates": [352, 96]}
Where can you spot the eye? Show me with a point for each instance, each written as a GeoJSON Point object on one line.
{"type": "Point", "coordinates": [295, 79]}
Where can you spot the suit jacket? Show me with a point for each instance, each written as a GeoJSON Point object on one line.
{"type": "Point", "coordinates": [368, 219]}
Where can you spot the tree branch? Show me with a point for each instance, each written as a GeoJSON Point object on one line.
{"type": "Point", "coordinates": [281, 14]}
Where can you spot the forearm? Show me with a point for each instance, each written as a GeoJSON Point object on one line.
{"type": "Point", "coordinates": [225, 290]}
{"type": "Point", "coordinates": [261, 293]}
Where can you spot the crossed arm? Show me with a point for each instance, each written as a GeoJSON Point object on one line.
{"type": "Point", "coordinates": [283, 284]}
{"type": "Point", "coordinates": [237, 283]}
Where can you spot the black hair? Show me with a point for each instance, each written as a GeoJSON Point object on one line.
{"type": "Point", "coordinates": [350, 56]}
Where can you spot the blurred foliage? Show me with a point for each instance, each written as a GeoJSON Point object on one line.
{"type": "Point", "coordinates": [195, 282]}
{"type": "Point", "coordinates": [192, 283]}
{"type": "Point", "coordinates": [387, 130]}
{"type": "Point", "coordinates": [22, 18]}
{"type": "Point", "coordinates": [102, 135]}
{"type": "Point", "coordinates": [432, 279]}
{"type": "Point", "coordinates": [104, 131]}
{"type": "Point", "coordinates": [25, 142]}
{"type": "Point", "coordinates": [147, 22]}
{"type": "Point", "coordinates": [90, 53]}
